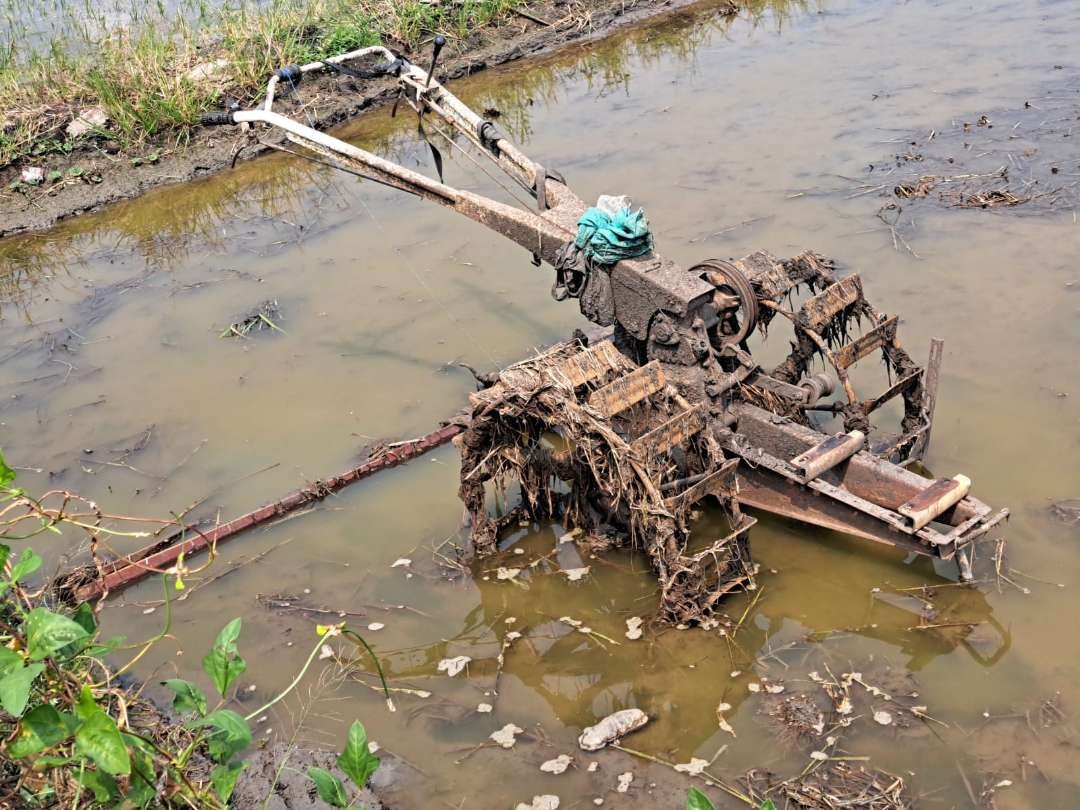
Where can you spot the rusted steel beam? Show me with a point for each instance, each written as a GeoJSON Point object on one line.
{"type": "Point", "coordinates": [929, 403]}
{"type": "Point", "coordinates": [191, 540]}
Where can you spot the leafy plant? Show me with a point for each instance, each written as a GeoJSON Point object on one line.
{"type": "Point", "coordinates": [70, 734]}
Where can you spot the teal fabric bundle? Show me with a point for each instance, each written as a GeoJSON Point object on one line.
{"type": "Point", "coordinates": [608, 239]}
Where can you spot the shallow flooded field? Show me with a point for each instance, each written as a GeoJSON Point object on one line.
{"type": "Point", "coordinates": [757, 133]}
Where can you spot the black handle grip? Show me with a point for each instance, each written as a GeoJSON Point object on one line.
{"type": "Point", "coordinates": [440, 43]}
{"type": "Point", "coordinates": [217, 119]}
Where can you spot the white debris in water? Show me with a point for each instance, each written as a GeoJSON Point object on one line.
{"type": "Point", "coordinates": [624, 782]}
{"type": "Point", "coordinates": [484, 708]}
{"type": "Point", "coordinates": [507, 573]}
{"type": "Point", "coordinates": [545, 802]}
{"type": "Point", "coordinates": [373, 746]}
{"type": "Point", "coordinates": [844, 707]}
{"type": "Point", "coordinates": [513, 635]}
{"type": "Point", "coordinates": [754, 687]}
{"type": "Point", "coordinates": [694, 767]}
{"type": "Point", "coordinates": [882, 718]}
{"type": "Point", "coordinates": [569, 621]}
{"type": "Point", "coordinates": [574, 574]}
{"type": "Point", "coordinates": [592, 767]}
{"type": "Point", "coordinates": [633, 628]}
{"type": "Point", "coordinates": [519, 551]}
{"type": "Point", "coordinates": [452, 666]}
{"type": "Point", "coordinates": [507, 735]}
{"type": "Point", "coordinates": [376, 626]}
{"type": "Point", "coordinates": [818, 756]}
{"type": "Point", "coordinates": [774, 688]}
{"type": "Point", "coordinates": [148, 611]}
{"type": "Point", "coordinates": [325, 652]}
{"type": "Point", "coordinates": [401, 562]}
{"type": "Point", "coordinates": [599, 800]}
{"type": "Point", "coordinates": [557, 765]}
{"type": "Point", "coordinates": [612, 728]}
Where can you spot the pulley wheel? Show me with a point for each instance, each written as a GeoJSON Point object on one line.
{"type": "Point", "coordinates": [737, 304]}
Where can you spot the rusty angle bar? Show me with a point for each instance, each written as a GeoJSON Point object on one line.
{"type": "Point", "coordinates": [129, 569]}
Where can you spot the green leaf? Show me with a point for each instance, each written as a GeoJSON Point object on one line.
{"type": "Point", "coordinates": [356, 760]}
{"type": "Point", "coordinates": [9, 659]}
{"type": "Point", "coordinates": [47, 632]}
{"type": "Point", "coordinates": [329, 786]}
{"type": "Point", "coordinates": [142, 786]}
{"type": "Point", "coordinates": [223, 663]}
{"type": "Point", "coordinates": [230, 734]}
{"type": "Point", "coordinates": [84, 617]}
{"type": "Point", "coordinates": [28, 563]}
{"type": "Point", "coordinates": [5, 551]}
{"type": "Point", "coordinates": [767, 805]}
{"type": "Point", "coordinates": [224, 778]}
{"type": "Point", "coordinates": [41, 728]}
{"type": "Point", "coordinates": [7, 475]}
{"type": "Point", "coordinates": [99, 738]}
{"type": "Point", "coordinates": [696, 800]}
{"type": "Point", "coordinates": [188, 697]}
{"type": "Point", "coordinates": [102, 785]}
{"type": "Point", "coordinates": [15, 688]}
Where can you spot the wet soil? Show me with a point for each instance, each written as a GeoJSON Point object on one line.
{"type": "Point", "coordinates": [327, 100]}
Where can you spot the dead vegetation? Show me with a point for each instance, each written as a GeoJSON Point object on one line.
{"type": "Point", "coordinates": [574, 462]}
{"type": "Point", "coordinates": [1012, 158]}
{"type": "Point", "coordinates": [260, 318]}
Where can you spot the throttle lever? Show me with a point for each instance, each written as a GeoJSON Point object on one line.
{"type": "Point", "coordinates": [440, 43]}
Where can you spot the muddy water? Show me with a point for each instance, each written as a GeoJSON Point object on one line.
{"type": "Point", "coordinates": [741, 135]}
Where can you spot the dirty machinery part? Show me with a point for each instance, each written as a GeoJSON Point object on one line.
{"type": "Point", "coordinates": [633, 456]}
{"type": "Point", "coordinates": [674, 408]}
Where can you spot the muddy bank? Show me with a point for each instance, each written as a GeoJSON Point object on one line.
{"type": "Point", "coordinates": [92, 177]}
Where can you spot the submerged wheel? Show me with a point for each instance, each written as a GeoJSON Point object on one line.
{"type": "Point", "coordinates": [737, 304]}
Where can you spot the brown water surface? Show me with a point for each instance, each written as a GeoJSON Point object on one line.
{"type": "Point", "coordinates": [735, 136]}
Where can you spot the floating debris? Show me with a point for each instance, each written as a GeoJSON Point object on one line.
{"type": "Point", "coordinates": [624, 782]}
{"type": "Point", "coordinates": [401, 562]}
{"type": "Point", "coordinates": [484, 708]}
{"type": "Point", "coordinates": [507, 573]}
{"type": "Point", "coordinates": [883, 718]}
{"type": "Point", "coordinates": [507, 735]}
{"type": "Point", "coordinates": [262, 317]}
{"type": "Point", "coordinates": [612, 728]}
{"type": "Point", "coordinates": [452, 666]}
{"type": "Point", "coordinates": [633, 628]}
{"type": "Point", "coordinates": [694, 767]}
{"type": "Point", "coordinates": [574, 574]}
{"type": "Point", "coordinates": [545, 802]}
{"type": "Point", "coordinates": [557, 765]}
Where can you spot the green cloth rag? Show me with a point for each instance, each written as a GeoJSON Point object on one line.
{"type": "Point", "coordinates": [607, 240]}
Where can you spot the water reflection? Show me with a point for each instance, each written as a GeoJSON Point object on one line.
{"type": "Point", "coordinates": [238, 210]}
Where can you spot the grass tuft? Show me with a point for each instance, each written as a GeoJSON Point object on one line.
{"type": "Point", "coordinates": [140, 75]}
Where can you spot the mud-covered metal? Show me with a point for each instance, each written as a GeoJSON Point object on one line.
{"type": "Point", "coordinates": [675, 408]}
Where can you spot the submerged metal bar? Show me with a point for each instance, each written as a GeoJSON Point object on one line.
{"type": "Point", "coordinates": [191, 540]}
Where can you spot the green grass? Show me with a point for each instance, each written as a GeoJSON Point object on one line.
{"type": "Point", "coordinates": [138, 74]}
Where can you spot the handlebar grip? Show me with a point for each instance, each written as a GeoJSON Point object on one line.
{"type": "Point", "coordinates": [216, 119]}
